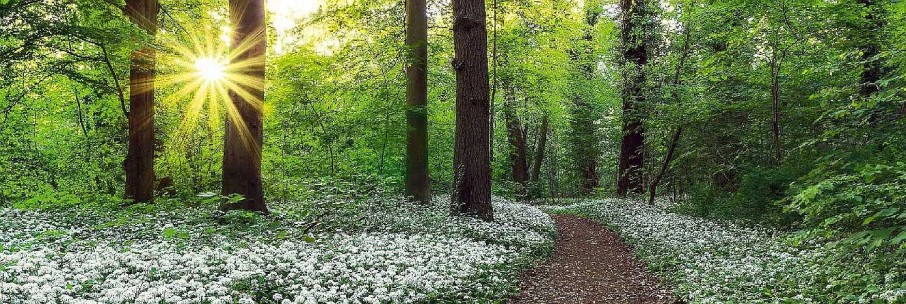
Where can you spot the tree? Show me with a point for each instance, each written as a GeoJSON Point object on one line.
{"type": "Point", "coordinates": [872, 65]}
{"type": "Point", "coordinates": [471, 159]}
{"type": "Point", "coordinates": [634, 38]}
{"type": "Point", "coordinates": [417, 186]}
{"type": "Point", "coordinates": [244, 132]}
{"type": "Point", "coordinates": [675, 83]}
{"type": "Point", "coordinates": [517, 140]}
{"type": "Point", "coordinates": [139, 164]}
{"type": "Point", "coordinates": [584, 135]}
{"type": "Point", "coordinates": [539, 149]}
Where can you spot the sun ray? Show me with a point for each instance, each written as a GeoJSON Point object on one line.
{"type": "Point", "coordinates": [209, 74]}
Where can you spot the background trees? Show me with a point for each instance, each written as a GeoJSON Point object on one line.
{"type": "Point", "coordinates": [782, 112]}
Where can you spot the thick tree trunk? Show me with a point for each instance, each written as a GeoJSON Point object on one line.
{"type": "Point", "coordinates": [471, 159]}
{"type": "Point", "coordinates": [417, 186]}
{"type": "Point", "coordinates": [539, 149]}
{"type": "Point", "coordinates": [635, 56]}
{"type": "Point", "coordinates": [244, 134]}
{"type": "Point", "coordinates": [139, 163]}
{"type": "Point", "coordinates": [517, 140]}
{"type": "Point", "coordinates": [652, 190]}
{"type": "Point", "coordinates": [140, 157]}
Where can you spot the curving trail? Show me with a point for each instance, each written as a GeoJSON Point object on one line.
{"type": "Point", "coordinates": [590, 265]}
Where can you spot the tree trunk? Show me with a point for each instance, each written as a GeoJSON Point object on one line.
{"type": "Point", "coordinates": [516, 138]}
{"type": "Point", "coordinates": [417, 186]}
{"type": "Point", "coordinates": [539, 149]}
{"type": "Point", "coordinates": [471, 159]}
{"type": "Point", "coordinates": [775, 108]}
{"type": "Point", "coordinates": [635, 56]}
{"type": "Point", "coordinates": [494, 64]}
{"type": "Point", "coordinates": [652, 190]}
{"type": "Point", "coordinates": [871, 72]}
{"type": "Point", "coordinates": [244, 134]}
{"type": "Point", "coordinates": [584, 133]}
{"type": "Point", "coordinates": [677, 80]}
{"type": "Point", "coordinates": [139, 163]}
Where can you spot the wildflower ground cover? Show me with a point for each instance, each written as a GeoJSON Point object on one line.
{"type": "Point", "coordinates": [383, 251]}
{"type": "Point", "coordinates": [718, 262]}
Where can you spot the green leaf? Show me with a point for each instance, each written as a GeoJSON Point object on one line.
{"type": "Point", "coordinates": [868, 220]}
{"type": "Point", "coordinates": [888, 212]}
{"type": "Point", "coordinates": [899, 238]}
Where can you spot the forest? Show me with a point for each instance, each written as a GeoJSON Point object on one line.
{"type": "Point", "coordinates": [452, 151]}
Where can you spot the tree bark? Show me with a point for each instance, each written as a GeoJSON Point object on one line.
{"type": "Point", "coordinates": [539, 149]}
{"type": "Point", "coordinates": [244, 134]}
{"type": "Point", "coordinates": [417, 186]}
{"type": "Point", "coordinates": [139, 163]}
{"type": "Point", "coordinates": [635, 56]}
{"type": "Point", "coordinates": [775, 107]}
{"type": "Point", "coordinates": [471, 159]}
{"type": "Point", "coordinates": [517, 140]}
{"type": "Point", "coordinates": [652, 190]}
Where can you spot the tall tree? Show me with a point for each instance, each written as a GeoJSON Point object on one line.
{"type": "Point", "coordinates": [139, 164]}
{"type": "Point", "coordinates": [244, 130]}
{"type": "Point", "coordinates": [471, 159]}
{"type": "Point", "coordinates": [517, 140]}
{"type": "Point", "coordinates": [776, 65]}
{"type": "Point", "coordinates": [583, 135]}
{"type": "Point", "coordinates": [634, 36]}
{"type": "Point", "coordinates": [675, 83]}
{"type": "Point", "coordinates": [417, 186]}
{"type": "Point", "coordinates": [539, 149]}
{"type": "Point", "coordinates": [870, 47]}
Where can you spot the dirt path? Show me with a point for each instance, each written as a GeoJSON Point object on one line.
{"type": "Point", "coordinates": [590, 265]}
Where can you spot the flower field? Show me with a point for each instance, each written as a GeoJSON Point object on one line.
{"type": "Point", "coordinates": [391, 255]}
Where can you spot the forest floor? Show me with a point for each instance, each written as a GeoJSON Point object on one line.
{"type": "Point", "coordinates": [590, 264]}
{"type": "Point", "coordinates": [704, 260]}
{"type": "Point", "coordinates": [378, 250]}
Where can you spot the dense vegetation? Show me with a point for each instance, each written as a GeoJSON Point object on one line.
{"type": "Point", "coordinates": [783, 118]}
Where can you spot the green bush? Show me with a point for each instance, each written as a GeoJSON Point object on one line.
{"type": "Point", "coordinates": [755, 201]}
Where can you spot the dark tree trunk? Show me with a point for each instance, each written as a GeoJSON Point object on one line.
{"type": "Point", "coordinates": [539, 149]}
{"type": "Point", "coordinates": [635, 56]}
{"type": "Point", "coordinates": [417, 186]}
{"type": "Point", "coordinates": [775, 108]}
{"type": "Point", "coordinates": [872, 66]}
{"type": "Point", "coordinates": [471, 159]}
{"type": "Point", "coordinates": [139, 163]}
{"type": "Point", "coordinates": [244, 134]}
{"type": "Point", "coordinates": [516, 138]}
{"type": "Point", "coordinates": [652, 190]}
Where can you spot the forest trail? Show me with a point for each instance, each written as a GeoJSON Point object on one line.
{"type": "Point", "coordinates": [590, 264]}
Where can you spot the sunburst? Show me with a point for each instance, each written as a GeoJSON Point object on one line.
{"type": "Point", "coordinates": [208, 70]}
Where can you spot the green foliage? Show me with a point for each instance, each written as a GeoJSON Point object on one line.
{"type": "Point", "coordinates": [866, 203]}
